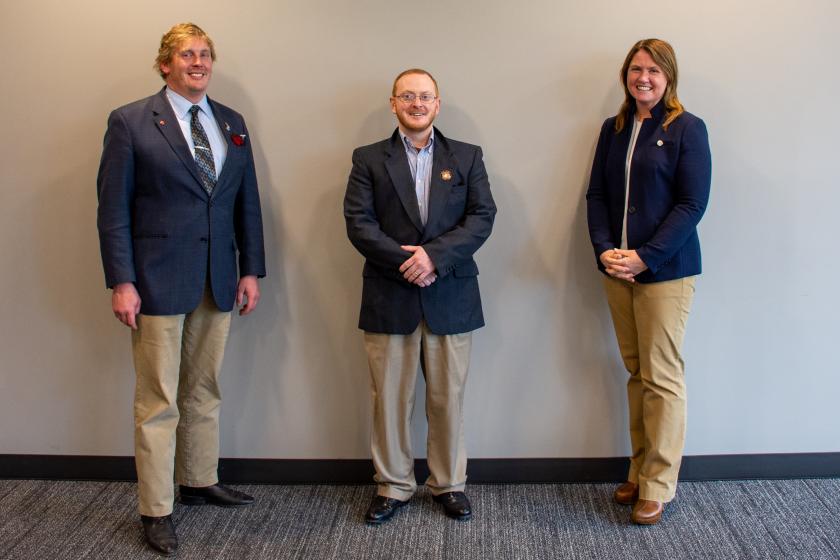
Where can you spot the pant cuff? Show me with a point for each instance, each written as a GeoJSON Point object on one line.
{"type": "Point", "coordinates": [391, 492]}
{"type": "Point", "coordinates": [198, 482]}
{"type": "Point", "coordinates": [655, 496]}
{"type": "Point", "coordinates": [455, 488]}
{"type": "Point", "coordinates": [159, 512]}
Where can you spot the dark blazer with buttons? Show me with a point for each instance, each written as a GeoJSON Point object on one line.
{"type": "Point", "coordinates": [158, 227]}
{"type": "Point", "coordinates": [670, 177]}
{"type": "Point", "coordinates": [381, 212]}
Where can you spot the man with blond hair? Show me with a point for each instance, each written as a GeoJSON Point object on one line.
{"type": "Point", "coordinates": [417, 207]}
{"type": "Point", "coordinates": [178, 207]}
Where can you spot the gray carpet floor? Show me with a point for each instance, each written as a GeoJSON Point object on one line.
{"type": "Point", "coordinates": [739, 519]}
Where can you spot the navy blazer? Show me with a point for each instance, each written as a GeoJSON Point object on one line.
{"type": "Point", "coordinates": [158, 227]}
{"type": "Point", "coordinates": [670, 177]}
{"type": "Point", "coordinates": [381, 212]}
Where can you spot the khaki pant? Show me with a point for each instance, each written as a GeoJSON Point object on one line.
{"type": "Point", "coordinates": [394, 361]}
{"type": "Point", "coordinates": [649, 322]}
{"type": "Point", "coordinates": [177, 359]}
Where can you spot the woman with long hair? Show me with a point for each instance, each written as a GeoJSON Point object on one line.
{"type": "Point", "coordinates": [648, 190]}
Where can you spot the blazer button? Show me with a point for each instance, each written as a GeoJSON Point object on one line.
{"type": "Point", "coordinates": [631, 210]}
{"type": "Point", "coordinates": [203, 240]}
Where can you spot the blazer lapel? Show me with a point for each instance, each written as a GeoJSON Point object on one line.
{"type": "Point", "coordinates": [225, 127]}
{"type": "Point", "coordinates": [167, 123]}
{"type": "Point", "coordinates": [400, 173]}
{"type": "Point", "coordinates": [444, 175]}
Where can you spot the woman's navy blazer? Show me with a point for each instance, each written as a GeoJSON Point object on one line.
{"type": "Point", "coordinates": [670, 177]}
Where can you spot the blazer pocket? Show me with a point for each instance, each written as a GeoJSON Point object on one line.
{"type": "Point", "coordinates": [663, 156]}
{"type": "Point", "coordinates": [373, 271]}
{"type": "Point", "coordinates": [150, 235]}
{"type": "Point", "coordinates": [466, 270]}
{"type": "Point", "coordinates": [457, 195]}
{"type": "Point", "coordinates": [662, 148]}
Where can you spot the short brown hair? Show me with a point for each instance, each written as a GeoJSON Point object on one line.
{"type": "Point", "coordinates": [412, 71]}
{"type": "Point", "coordinates": [173, 38]}
{"type": "Point", "coordinates": [663, 55]}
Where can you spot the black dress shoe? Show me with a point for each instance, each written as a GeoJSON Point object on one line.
{"type": "Point", "coordinates": [455, 505]}
{"type": "Point", "coordinates": [160, 533]}
{"type": "Point", "coordinates": [216, 495]}
{"type": "Point", "coordinates": [382, 509]}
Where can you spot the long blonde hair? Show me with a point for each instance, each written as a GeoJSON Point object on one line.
{"type": "Point", "coordinates": [663, 55]}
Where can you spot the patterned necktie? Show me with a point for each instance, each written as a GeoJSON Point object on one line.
{"type": "Point", "coordinates": [203, 153]}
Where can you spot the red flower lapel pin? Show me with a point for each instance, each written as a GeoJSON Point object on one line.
{"type": "Point", "coordinates": [238, 139]}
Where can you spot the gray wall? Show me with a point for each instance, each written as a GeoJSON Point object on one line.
{"type": "Point", "coordinates": [531, 83]}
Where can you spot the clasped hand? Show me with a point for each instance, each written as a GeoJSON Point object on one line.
{"type": "Point", "coordinates": [623, 264]}
{"type": "Point", "coordinates": [418, 268]}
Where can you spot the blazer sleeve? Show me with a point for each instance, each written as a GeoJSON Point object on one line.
{"type": "Point", "coordinates": [597, 210]}
{"type": "Point", "coordinates": [461, 242]}
{"type": "Point", "coordinates": [247, 220]}
{"type": "Point", "coordinates": [692, 183]}
{"type": "Point", "coordinates": [115, 192]}
{"type": "Point", "coordinates": [363, 228]}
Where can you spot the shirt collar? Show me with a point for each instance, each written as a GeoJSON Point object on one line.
{"type": "Point", "coordinates": [409, 145]}
{"type": "Point", "coordinates": [182, 105]}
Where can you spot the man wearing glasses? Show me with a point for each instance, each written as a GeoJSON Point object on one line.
{"type": "Point", "coordinates": [418, 206]}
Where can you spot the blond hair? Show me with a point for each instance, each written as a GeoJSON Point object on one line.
{"type": "Point", "coordinates": [173, 39]}
{"type": "Point", "coordinates": [663, 55]}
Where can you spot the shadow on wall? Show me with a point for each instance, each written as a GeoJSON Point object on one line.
{"type": "Point", "coordinates": [65, 274]}
{"type": "Point", "coordinates": [551, 256]}
{"type": "Point", "coordinates": [251, 373]}
{"type": "Point", "coordinates": [596, 374]}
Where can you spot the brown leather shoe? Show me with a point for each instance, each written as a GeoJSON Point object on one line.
{"type": "Point", "coordinates": [627, 493]}
{"type": "Point", "coordinates": [647, 512]}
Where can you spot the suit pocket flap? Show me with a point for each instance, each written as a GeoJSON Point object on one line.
{"type": "Point", "coordinates": [373, 271]}
{"type": "Point", "coordinates": [466, 270]}
{"type": "Point", "coordinates": [150, 235]}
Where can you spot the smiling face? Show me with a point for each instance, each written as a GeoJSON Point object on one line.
{"type": "Point", "coordinates": [415, 117]}
{"type": "Point", "coordinates": [645, 81]}
{"type": "Point", "coordinates": [188, 72]}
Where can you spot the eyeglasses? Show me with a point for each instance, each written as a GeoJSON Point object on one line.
{"type": "Point", "coordinates": [410, 97]}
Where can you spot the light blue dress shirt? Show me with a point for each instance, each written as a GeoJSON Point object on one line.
{"type": "Point", "coordinates": [420, 162]}
{"type": "Point", "coordinates": [218, 143]}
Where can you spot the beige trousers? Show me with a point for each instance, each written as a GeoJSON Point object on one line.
{"type": "Point", "coordinates": [394, 361]}
{"type": "Point", "coordinates": [649, 322]}
{"type": "Point", "coordinates": [177, 359]}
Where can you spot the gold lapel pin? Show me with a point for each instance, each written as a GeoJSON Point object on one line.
{"type": "Point", "coordinates": [659, 142]}
{"type": "Point", "coordinates": [161, 122]}
{"type": "Point", "coordinates": [446, 175]}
